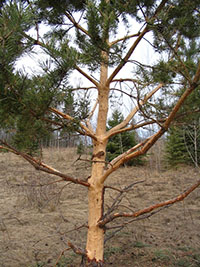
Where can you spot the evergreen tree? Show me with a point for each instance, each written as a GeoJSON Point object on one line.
{"type": "Point", "coordinates": [84, 37]}
{"type": "Point", "coordinates": [183, 141]}
{"type": "Point", "coordinates": [176, 152]}
{"type": "Point", "coordinates": [183, 144]}
{"type": "Point", "coordinates": [121, 142]}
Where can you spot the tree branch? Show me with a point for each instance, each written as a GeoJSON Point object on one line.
{"type": "Point", "coordinates": [123, 124]}
{"type": "Point", "coordinates": [188, 91]}
{"type": "Point", "coordinates": [77, 25]}
{"type": "Point", "coordinates": [119, 197]}
{"type": "Point", "coordinates": [77, 250]}
{"type": "Point", "coordinates": [126, 58]}
{"type": "Point", "coordinates": [134, 45]}
{"type": "Point", "coordinates": [137, 126]}
{"type": "Point", "coordinates": [180, 197]}
{"type": "Point", "coordinates": [87, 131]}
{"type": "Point", "coordinates": [38, 165]}
{"type": "Point", "coordinates": [149, 142]}
{"type": "Point", "coordinates": [126, 80]}
{"type": "Point", "coordinates": [88, 120]}
{"type": "Point", "coordinates": [123, 39]}
{"type": "Point", "coordinates": [87, 76]}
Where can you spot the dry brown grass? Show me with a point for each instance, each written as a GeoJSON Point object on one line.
{"type": "Point", "coordinates": [36, 219]}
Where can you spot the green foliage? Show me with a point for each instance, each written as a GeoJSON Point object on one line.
{"type": "Point", "coordinates": [121, 142]}
{"type": "Point", "coordinates": [183, 144]}
{"type": "Point", "coordinates": [23, 96]}
{"type": "Point", "coordinates": [176, 152]}
{"type": "Point", "coordinates": [80, 148]}
{"type": "Point", "coordinates": [29, 134]}
{"type": "Point", "coordinates": [162, 255]}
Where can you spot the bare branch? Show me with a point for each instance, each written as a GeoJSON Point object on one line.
{"type": "Point", "coordinates": [38, 165]}
{"type": "Point", "coordinates": [132, 113]}
{"type": "Point", "coordinates": [76, 228]}
{"type": "Point", "coordinates": [87, 76]}
{"type": "Point", "coordinates": [148, 143]}
{"type": "Point", "coordinates": [123, 225]}
{"type": "Point", "coordinates": [126, 58]}
{"type": "Point", "coordinates": [119, 197]}
{"type": "Point", "coordinates": [59, 257]}
{"type": "Point", "coordinates": [139, 125]}
{"type": "Point", "coordinates": [188, 91]}
{"type": "Point", "coordinates": [180, 197]}
{"type": "Point", "coordinates": [88, 124]}
{"type": "Point", "coordinates": [83, 88]}
{"type": "Point", "coordinates": [77, 250]}
{"type": "Point", "coordinates": [118, 161]}
{"type": "Point", "coordinates": [124, 38]}
{"type": "Point", "coordinates": [126, 80]}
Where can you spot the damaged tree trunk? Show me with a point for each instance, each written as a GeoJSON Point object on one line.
{"type": "Point", "coordinates": [95, 237]}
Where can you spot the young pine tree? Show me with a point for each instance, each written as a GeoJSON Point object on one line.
{"type": "Point", "coordinates": [96, 40]}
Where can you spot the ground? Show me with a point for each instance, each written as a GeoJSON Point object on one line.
{"type": "Point", "coordinates": [38, 216]}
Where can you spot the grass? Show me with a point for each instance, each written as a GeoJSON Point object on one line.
{"type": "Point", "coordinates": [139, 244]}
{"type": "Point", "coordinates": [111, 251]}
{"type": "Point", "coordinates": [163, 255]}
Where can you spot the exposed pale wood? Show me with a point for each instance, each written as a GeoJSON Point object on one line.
{"type": "Point", "coordinates": [87, 131]}
{"type": "Point", "coordinates": [150, 208]}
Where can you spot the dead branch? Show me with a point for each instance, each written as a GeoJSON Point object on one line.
{"type": "Point", "coordinates": [126, 58]}
{"type": "Point", "coordinates": [40, 185]}
{"type": "Point", "coordinates": [123, 225]}
{"type": "Point", "coordinates": [149, 142]}
{"type": "Point", "coordinates": [88, 123]}
{"type": "Point", "coordinates": [119, 197]}
{"type": "Point", "coordinates": [137, 126]}
{"type": "Point", "coordinates": [123, 124]}
{"type": "Point", "coordinates": [76, 250]}
{"type": "Point", "coordinates": [187, 92]}
{"type": "Point", "coordinates": [118, 161]}
{"type": "Point", "coordinates": [38, 165]}
{"type": "Point", "coordinates": [59, 257]}
{"type": "Point", "coordinates": [180, 197]}
{"type": "Point", "coordinates": [75, 228]}
{"type": "Point", "coordinates": [128, 80]}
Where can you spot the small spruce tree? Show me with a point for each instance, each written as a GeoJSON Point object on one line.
{"type": "Point", "coordinates": [121, 142]}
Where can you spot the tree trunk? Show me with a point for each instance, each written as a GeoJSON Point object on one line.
{"type": "Point", "coordinates": [95, 236]}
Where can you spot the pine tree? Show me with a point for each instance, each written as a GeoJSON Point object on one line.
{"type": "Point", "coordinates": [183, 141]}
{"type": "Point", "coordinates": [84, 37]}
{"type": "Point", "coordinates": [121, 142]}
{"type": "Point", "coordinates": [176, 152]}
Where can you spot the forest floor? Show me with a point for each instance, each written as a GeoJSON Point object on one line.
{"type": "Point", "coordinates": [38, 217]}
